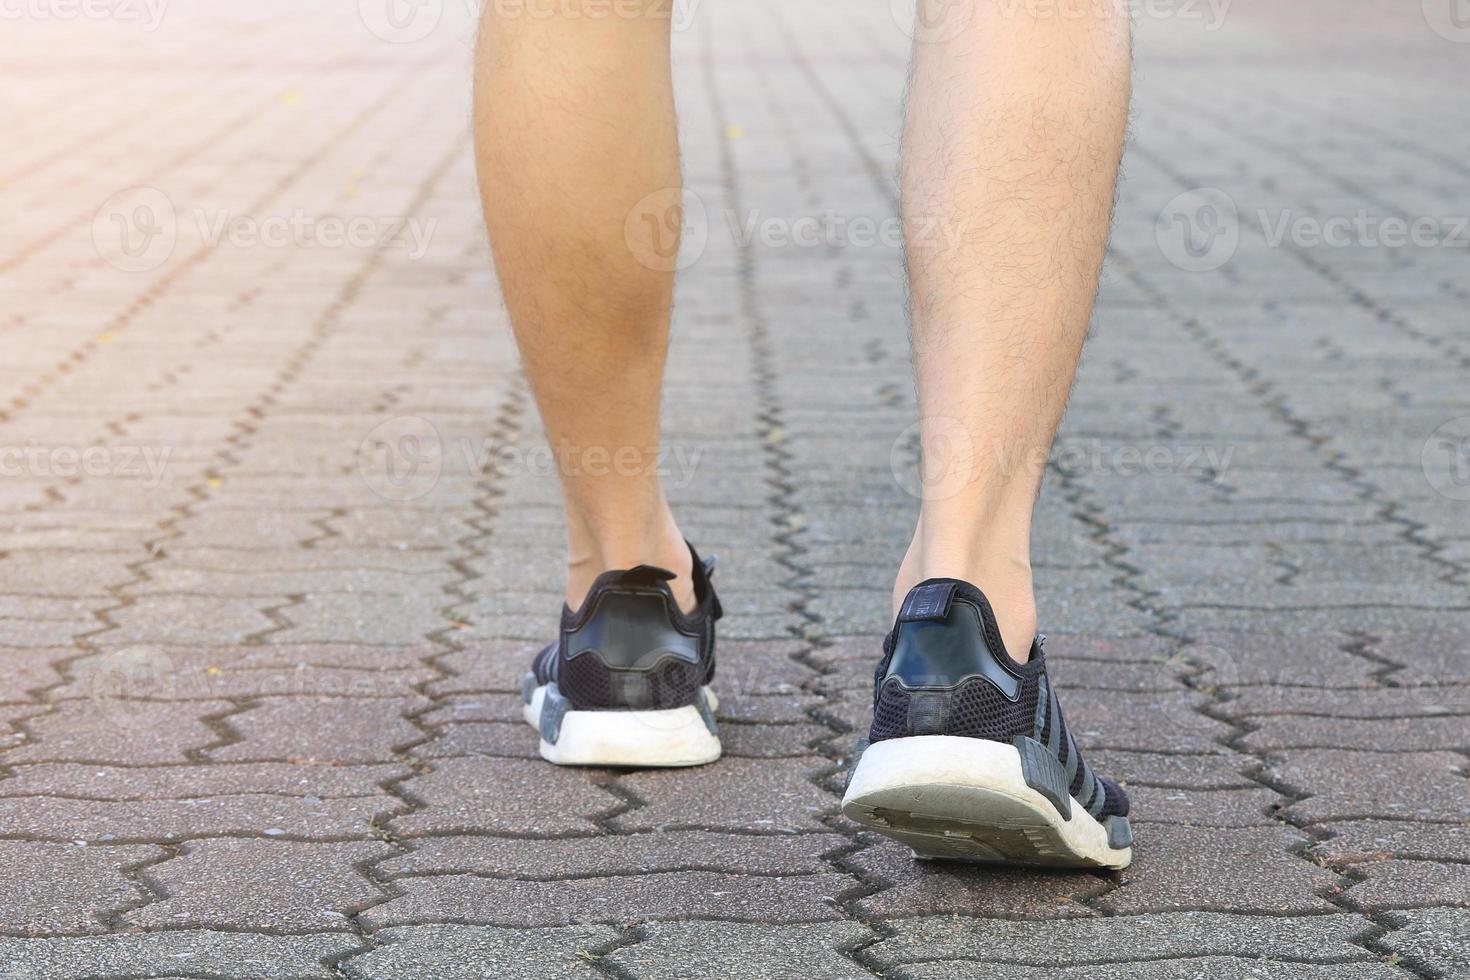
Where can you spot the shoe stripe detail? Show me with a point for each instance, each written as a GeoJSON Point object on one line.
{"type": "Point", "coordinates": [1074, 759]}
{"type": "Point", "coordinates": [1043, 713]}
{"type": "Point", "coordinates": [1054, 737]}
{"type": "Point", "coordinates": [1089, 788]}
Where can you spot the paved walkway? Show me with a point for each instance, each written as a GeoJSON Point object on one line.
{"type": "Point", "coordinates": [276, 543]}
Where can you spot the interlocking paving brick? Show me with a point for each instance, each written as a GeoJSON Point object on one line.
{"type": "Point", "coordinates": [1187, 868]}
{"type": "Point", "coordinates": [731, 794]}
{"type": "Point", "coordinates": [1436, 656]}
{"type": "Point", "coordinates": [195, 781]}
{"type": "Point", "coordinates": [1394, 785]}
{"type": "Point", "coordinates": [27, 671]}
{"type": "Point", "coordinates": [913, 887]}
{"type": "Point", "coordinates": [119, 731]}
{"type": "Point", "coordinates": [676, 850]}
{"type": "Point", "coordinates": [1077, 942]}
{"type": "Point", "coordinates": [674, 950]}
{"type": "Point", "coordinates": [511, 796]}
{"type": "Point", "coordinates": [1260, 658]}
{"type": "Point", "coordinates": [240, 883]}
{"type": "Point", "coordinates": [1191, 968]}
{"type": "Point", "coordinates": [201, 953]}
{"type": "Point", "coordinates": [1132, 721]}
{"type": "Point", "coordinates": [1381, 702]}
{"type": "Point", "coordinates": [458, 952]}
{"type": "Point", "coordinates": [68, 887]}
{"type": "Point", "coordinates": [321, 729]}
{"type": "Point", "coordinates": [1219, 771]}
{"type": "Point", "coordinates": [1366, 840]}
{"type": "Point", "coordinates": [1203, 808]}
{"type": "Point", "coordinates": [1410, 884]}
{"type": "Point", "coordinates": [660, 895]}
{"type": "Point", "coordinates": [1277, 732]}
{"type": "Point", "coordinates": [1438, 939]}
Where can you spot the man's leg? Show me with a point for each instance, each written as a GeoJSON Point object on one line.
{"type": "Point", "coordinates": [574, 130]}
{"type": "Point", "coordinates": [574, 125]}
{"type": "Point", "coordinates": [1011, 146]}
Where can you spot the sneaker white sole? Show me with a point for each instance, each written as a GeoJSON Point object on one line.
{"type": "Point", "coordinates": [666, 737]}
{"type": "Point", "coordinates": [966, 799]}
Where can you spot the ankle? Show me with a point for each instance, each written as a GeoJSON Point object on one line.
{"type": "Point", "coordinates": [1006, 582]}
{"type": "Point", "coordinates": [664, 547]}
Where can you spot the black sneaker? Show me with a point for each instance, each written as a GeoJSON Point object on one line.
{"type": "Point", "coordinates": [627, 683]}
{"type": "Point", "coordinates": [968, 757]}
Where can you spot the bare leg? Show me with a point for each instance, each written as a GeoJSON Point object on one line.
{"type": "Point", "coordinates": [574, 126]}
{"type": "Point", "coordinates": [1011, 145]}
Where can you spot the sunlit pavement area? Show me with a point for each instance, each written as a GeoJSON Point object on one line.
{"type": "Point", "coordinates": [277, 538]}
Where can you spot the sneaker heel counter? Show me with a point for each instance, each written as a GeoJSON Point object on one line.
{"type": "Point", "coordinates": [629, 654]}
{"type": "Point", "coordinates": [941, 652]}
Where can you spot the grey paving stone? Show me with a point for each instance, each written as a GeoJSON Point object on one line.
{"type": "Point", "coordinates": [1342, 785]}
{"type": "Point", "coordinates": [1438, 939]}
{"type": "Point", "coordinates": [1411, 884]}
{"type": "Point", "coordinates": [1203, 808]}
{"type": "Point", "coordinates": [195, 781]}
{"type": "Point", "coordinates": [1278, 732]}
{"type": "Point", "coordinates": [458, 952]}
{"type": "Point", "coordinates": [323, 730]}
{"type": "Point", "coordinates": [674, 950]}
{"type": "Point", "coordinates": [1218, 771]}
{"type": "Point", "coordinates": [1177, 868]}
{"type": "Point", "coordinates": [1144, 722]}
{"type": "Point", "coordinates": [1193, 968]}
{"type": "Point", "coordinates": [1380, 702]}
{"type": "Point", "coordinates": [1434, 656]}
{"type": "Point", "coordinates": [676, 850]}
{"type": "Point", "coordinates": [120, 731]}
{"type": "Point", "coordinates": [624, 898]}
{"type": "Point", "coordinates": [466, 795]}
{"type": "Point", "coordinates": [69, 888]}
{"type": "Point", "coordinates": [1369, 840]}
{"type": "Point", "coordinates": [200, 953]}
{"type": "Point", "coordinates": [768, 795]}
{"type": "Point", "coordinates": [908, 886]}
{"type": "Point", "coordinates": [1078, 942]}
{"type": "Point", "coordinates": [240, 883]}
{"type": "Point", "coordinates": [66, 819]}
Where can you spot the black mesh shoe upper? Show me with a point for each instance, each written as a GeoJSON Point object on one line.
{"type": "Point", "coordinates": [630, 646]}
{"type": "Point", "coordinates": [946, 671]}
